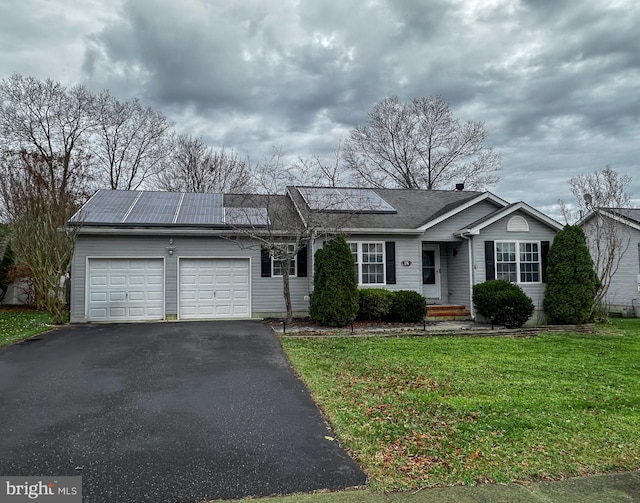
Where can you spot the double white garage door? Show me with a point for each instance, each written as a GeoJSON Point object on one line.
{"type": "Point", "coordinates": [134, 289]}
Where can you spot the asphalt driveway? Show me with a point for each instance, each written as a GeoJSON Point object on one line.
{"type": "Point", "coordinates": [165, 412]}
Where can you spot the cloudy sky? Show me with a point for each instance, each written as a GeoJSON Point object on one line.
{"type": "Point", "coordinates": [556, 82]}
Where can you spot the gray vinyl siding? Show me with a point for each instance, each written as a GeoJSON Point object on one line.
{"type": "Point", "coordinates": [266, 293]}
{"type": "Point", "coordinates": [623, 295]}
{"type": "Point", "coordinates": [498, 232]}
{"type": "Point", "coordinates": [458, 274]}
{"type": "Point", "coordinates": [444, 231]}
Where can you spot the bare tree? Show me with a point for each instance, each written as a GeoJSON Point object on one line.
{"type": "Point", "coordinates": [37, 208]}
{"type": "Point", "coordinates": [420, 144]}
{"type": "Point", "coordinates": [598, 195]}
{"type": "Point", "coordinates": [46, 249]}
{"type": "Point", "coordinates": [195, 167]}
{"type": "Point", "coordinates": [33, 184]}
{"type": "Point", "coordinates": [287, 226]}
{"type": "Point", "coordinates": [316, 171]}
{"type": "Point", "coordinates": [130, 142]}
{"type": "Point", "coordinates": [50, 121]}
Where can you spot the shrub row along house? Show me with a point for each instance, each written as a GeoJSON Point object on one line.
{"type": "Point", "coordinates": [154, 256]}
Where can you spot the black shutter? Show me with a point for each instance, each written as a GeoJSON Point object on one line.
{"type": "Point", "coordinates": [302, 263]}
{"type": "Point", "coordinates": [390, 251]}
{"type": "Point", "coordinates": [265, 263]}
{"type": "Point", "coordinates": [544, 255]}
{"type": "Point", "coordinates": [489, 264]}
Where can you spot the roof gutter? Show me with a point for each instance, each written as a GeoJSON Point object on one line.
{"type": "Point", "coordinates": [360, 230]}
{"type": "Point", "coordinates": [180, 231]}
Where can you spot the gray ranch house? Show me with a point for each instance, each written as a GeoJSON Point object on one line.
{"type": "Point", "coordinates": [622, 225]}
{"type": "Point", "coordinates": [158, 256]}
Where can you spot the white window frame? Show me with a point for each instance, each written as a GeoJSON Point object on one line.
{"type": "Point", "coordinates": [518, 262]}
{"type": "Point", "coordinates": [359, 263]}
{"type": "Point", "coordinates": [294, 263]}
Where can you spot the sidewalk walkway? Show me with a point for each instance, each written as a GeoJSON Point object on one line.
{"type": "Point", "coordinates": [606, 488]}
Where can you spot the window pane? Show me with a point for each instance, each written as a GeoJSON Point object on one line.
{"type": "Point", "coordinates": [372, 253]}
{"type": "Point", "coordinates": [372, 274]}
{"type": "Point", "coordinates": [369, 262]}
{"type": "Point", "coordinates": [506, 265]}
{"type": "Point", "coordinates": [278, 265]}
{"type": "Point", "coordinates": [529, 263]}
{"type": "Point", "coordinates": [507, 272]}
{"type": "Point", "coordinates": [428, 267]}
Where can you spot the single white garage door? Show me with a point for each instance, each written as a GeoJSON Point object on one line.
{"type": "Point", "coordinates": [213, 288]}
{"type": "Point", "coordinates": [125, 289]}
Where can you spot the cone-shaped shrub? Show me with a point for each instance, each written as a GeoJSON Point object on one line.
{"type": "Point", "coordinates": [571, 279]}
{"type": "Point", "coordinates": [335, 291]}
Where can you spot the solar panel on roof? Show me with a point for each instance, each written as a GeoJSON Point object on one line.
{"type": "Point", "coordinates": [200, 209]}
{"type": "Point", "coordinates": [106, 206]}
{"type": "Point", "coordinates": [345, 200]}
{"type": "Point", "coordinates": [246, 216]}
{"type": "Point", "coordinates": [116, 207]}
{"type": "Point", "coordinates": [154, 208]}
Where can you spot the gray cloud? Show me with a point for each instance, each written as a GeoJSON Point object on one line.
{"type": "Point", "coordinates": [555, 81]}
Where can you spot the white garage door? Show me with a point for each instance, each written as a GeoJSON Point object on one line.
{"type": "Point", "coordinates": [214, 288]}
{"type": "Point", "coordinates": [125, 289]}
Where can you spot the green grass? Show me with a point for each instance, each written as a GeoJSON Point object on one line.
{"type": "Point", "coordinates": [17, 324]}
{"type": "Point", "coordinates": [421, 411]}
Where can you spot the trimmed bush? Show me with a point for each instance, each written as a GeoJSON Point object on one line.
{"type": "Point", "coordinates": [334, 302]}
{"type": "Point", "coordinates": [374, 304]}
{"type": "Point", "coordinates": [572, 283]}
{"type": "Point", "coordinates": [502, 303]}
{"type": "Point", "coordinates": [407, 306]}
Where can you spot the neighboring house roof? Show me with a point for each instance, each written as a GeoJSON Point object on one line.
{"type": "Point", "coordinates": [627, 216]}
{"type": "Point", "coordinates": [629, 213]}
{"type": "Point", "coordinates": [478, 225]}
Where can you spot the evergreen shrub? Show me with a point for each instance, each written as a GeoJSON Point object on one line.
{"type": "Point", "coordinates": [334, 302]}
{"type": "Point", "coordinates": [374, 304]}
{"type": "Point", "coordinates": [572, 283]}
{"type": "Point", "coordinates": [407, 306]}
{"type": "Point", "coordinates": [502, 303]}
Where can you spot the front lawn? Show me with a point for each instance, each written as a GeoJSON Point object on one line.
{"type": "Point", "coordinates": [422, 411]}
{"type": "Point", "coordinates": [19, 323]}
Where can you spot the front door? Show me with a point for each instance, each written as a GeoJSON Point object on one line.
{"type": "Point", "coordinates": [431, 270]}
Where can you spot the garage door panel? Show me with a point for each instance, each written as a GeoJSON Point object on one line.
{"type": "Point", "coordinates": [98, 313]}
{"type": "Point", "coordinates": [117, 313]}
{"type": "Point", "coordinates": [137, 296]}
{"type": "Point", "coordinates": [125, 289]}
{"type": "Point", "coordinates": [116, 280]}
{"type": "Point", "coordinates": [221, 288]}
{"type": "Point", "coordinates": [95, 297]}
{"type": "Point", "coordinates": [155, 296]}
{"type": "Point", "coordinates": [98, 281]}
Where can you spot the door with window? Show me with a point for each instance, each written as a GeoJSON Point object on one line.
{"type": "Point", "coordinates": [431, 270]}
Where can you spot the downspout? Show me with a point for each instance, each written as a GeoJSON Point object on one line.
{"type": "Point", "coordinates": [471, 273]}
